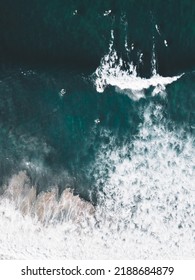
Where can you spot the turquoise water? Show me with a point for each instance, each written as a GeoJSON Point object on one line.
{"type": "Point", "coordinates": [97, 100]}
{"type": "Point", "coordinates": [60, 133]}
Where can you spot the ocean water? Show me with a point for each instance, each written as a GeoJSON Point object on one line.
{"type": "Point", "coordinates": [97, 160]}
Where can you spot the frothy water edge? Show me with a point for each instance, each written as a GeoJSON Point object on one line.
{"type": "Point", "coordinates": [145, 210]}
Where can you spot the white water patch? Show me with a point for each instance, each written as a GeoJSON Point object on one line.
{"type": "Point", "coordinates": [157, 29]}
{"type": "Point", "coordinates": [149, 193]}
{"type": "Point", "coordinates": [145, 210]}
{"type": "Point", "coordinates": [62, 92]}
{"type": "Point", "coordinates": [75, 12]}
{"type": "Point", "coordinates": [106, 13]}
{"type": "Point", "coordinates": [165, 42]}
{"type": "Point", "coordinates": [97, 121]}
{"type": "Point", "coordinates": [111, 73]}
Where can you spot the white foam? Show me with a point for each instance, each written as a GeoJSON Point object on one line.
{"type": "Point", "coordinates": [146, 209]}
{"type": "Point", "coordinates": [62, 92]}
{"type": "Point", "coordinates": [75, 12]}
{"type": "Point", "coordinates": [157, 29]}
{"type": "Point", "coordinates": [111, 73]}
{"type": "Point", "coordinates": [165, 42]}
{"type": "Point", "coordinates": [150, 192]}
{"type": "Point", "coordinates": [106, 13]}
{"type": "Point", "coordinates": [97, 121]}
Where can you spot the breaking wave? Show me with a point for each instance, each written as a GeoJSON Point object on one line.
{"type": "Point", "coordinates": [124, 76]}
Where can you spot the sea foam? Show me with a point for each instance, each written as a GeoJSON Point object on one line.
{"type": "Point", "coordinates": [111, 72]}
{"type": "Point", "coordinates": [145, 207]}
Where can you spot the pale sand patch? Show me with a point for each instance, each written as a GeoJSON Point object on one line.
{"type": "Point", "coordinates": [47, 207]}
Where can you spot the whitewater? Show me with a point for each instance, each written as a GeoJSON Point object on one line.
{"type": "Point", "coordinates": [145, 210]}
{"type": "Point", "coordinates": [145, 190]}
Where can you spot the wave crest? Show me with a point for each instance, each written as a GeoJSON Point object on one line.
{"type": "Point", "coordinates": [111, 72]}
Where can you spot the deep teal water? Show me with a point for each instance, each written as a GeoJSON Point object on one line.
{"type": "Point", "coordinates": [59, 135]}
{"type": "Point", "coordinates": [97, 96]}
{"type": "Point", "coordinates": [46, 48]}
{"type": "Point", "coordinates": [49, 32]}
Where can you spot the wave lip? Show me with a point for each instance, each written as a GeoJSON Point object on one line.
{"type": "Point", "coordinates": [111, 72]}
{"type": "Point", "coordinates": [135, 86]}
